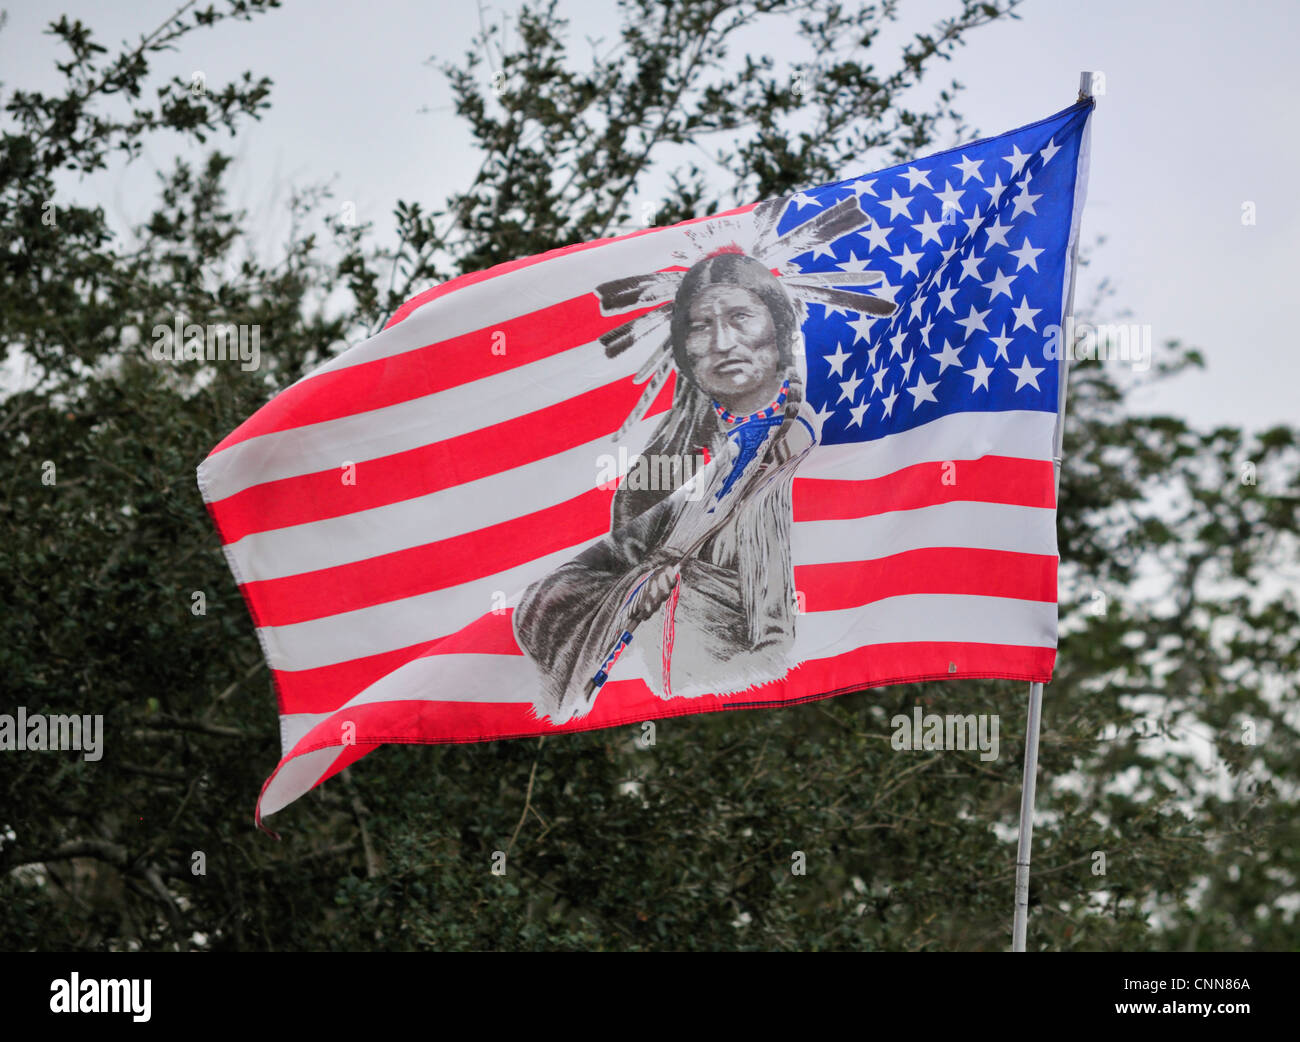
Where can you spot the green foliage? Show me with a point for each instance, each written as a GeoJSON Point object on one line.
{"type": "Point", "coordinates": [688, 844]}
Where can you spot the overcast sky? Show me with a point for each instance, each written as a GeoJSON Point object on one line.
{"type": "Point", "coordinates": [1197, 118]}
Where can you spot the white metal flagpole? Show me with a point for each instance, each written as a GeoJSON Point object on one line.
{"type": "Point", "coordinates": [1020, 921]}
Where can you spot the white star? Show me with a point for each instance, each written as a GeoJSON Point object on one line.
{"type": "Point", "coordinates": [861, 327]}
{"type": "Point", "coordinates": [871, 356]}
{"type": "Point", "coordinates": [1050, 150]}
{"type": "Point", "coordinates": [896, 344]}
{"type": "Point", "coordinates": [949, 195]}
{"type": "Point", "coordinates": [884, 291]}
{"type": "Point", "coordinates": [970, 267]}
{"type": "Point", "coordinates": [972, 223]}
{"type": "Point", "coordinates": [918, 305]}
{"type": "Point", "coordinates": [979, 374]}
{"type": "Point", "coordinates": [823, 249]}
{"type": "Point", "coordinates": [1025, 316]}
{"type": "Point", "coordinates": [948, 356]}
{"type": "Point", "coordinates": [858, 412]}
{"type": "Point", "coordinates": [969, 168]}
{"type": "Point", "coordinates": [925, 333]}
{"type": "Point", "coordinates": [1002, 342]}
{"type": "Point", "coordinates": [997, 233]}
{"type": "Point", "coordinates": [972, 321]}
{"type": "Point", "coordinates": [929, 230]}
{"type": "Point", "coordinates": [897, 204]}
{"type": "Point", "coordinates": [1000, 283]}
{"type": "Point", "coordinates": [945, 299]}
{"type": "Point", "coordinates": [878, 236]}
{"type": "Point", "coordinates": [849, 389]}
{"type": "Point", "coordinates": [906, 261]}
{"type": "Point", "coordinates": [823, 414]}
{"type": "Point", "coordinates": [922, 391]}
{"type": "Point", "coordinates": [908, 362]}
{"type": "Point", "coordinates": [889, 400]}
{"type": "Point", "coordinates": [916, 177]}
{"type": "Point", "coordinates": [1024, 203]}
{"type": "Point", "coordinates": [854, 264]}
{"type": "Point", "coordinates": [1026, 256]}
{"type": "Point", "coordinates": [802, 199]}
{"type": "Point", "coordinates": [1026, 375]}
{"type": "Point", "coordinates": [878, 378]}
{"type": "Point", "coordinates": [863, 186]}
{"type": "Point", "coordinates": [923, 287]}
{"type": "Point", "coordinates": [838, 359]}
{"type": "Point", "coordinates": [1017, 159]}
{"type": "Point", "coordinates": [995, 191]}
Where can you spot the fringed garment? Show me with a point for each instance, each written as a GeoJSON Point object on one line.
{"type": "Point", "coordinates": [729, 624]}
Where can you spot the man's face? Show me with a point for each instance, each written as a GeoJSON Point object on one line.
{"type": "Point", "coordinates": [731, 342]}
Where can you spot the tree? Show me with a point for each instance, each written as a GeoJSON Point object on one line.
{"type": "Point", "coordinates": [690, 843]}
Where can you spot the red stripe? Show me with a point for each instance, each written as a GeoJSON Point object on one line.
{"type": "Point", "coordinates": [431, 468]}
{"type": "Point", "coordinates": [950, 570]}
{"type": "Point", "coordinates": [324, 689]}
{"type": "Point", "coordinates": [427, 370]}
{"type": "Point", "coordinates": [433, 566]}
{"type": "Point", "coordinates": [420, 299]}
{"type": "Point", "coordinates": [989, 479]}
{"type": "Point", "coordinates": [630, 701]}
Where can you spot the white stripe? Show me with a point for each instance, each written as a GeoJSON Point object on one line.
{"type": "Point", "coordinates": [294, 725]}
{"type": "Point", "coordinates": [959, 618]}
{"type": "Point", "coordinates": [979, 526]}
{"type": "Point", "coordinates": [297, 777]}
{"type": "Point", "coordinates": [1019, 434]}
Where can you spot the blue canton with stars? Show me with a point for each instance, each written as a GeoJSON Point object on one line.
{"type": "Point", "coordinates": [973, 245]}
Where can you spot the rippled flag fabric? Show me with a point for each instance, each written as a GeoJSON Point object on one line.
{"type": "Point", "coordinates": [773, 455]}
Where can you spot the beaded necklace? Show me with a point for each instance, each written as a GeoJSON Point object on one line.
{"type": "Point", "coordinates": [751, 432]}
{"type": "Point", "coordinates": [777, 403]}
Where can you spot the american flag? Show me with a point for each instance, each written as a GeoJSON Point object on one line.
{"type": "Point", "coordinates": [383, 515]}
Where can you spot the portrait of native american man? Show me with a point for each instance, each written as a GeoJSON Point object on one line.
{"type": "Point", "coordinates": [692, 589]}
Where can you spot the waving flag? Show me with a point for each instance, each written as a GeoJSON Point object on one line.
{"type": "Point", "coordinates": [793, 450]}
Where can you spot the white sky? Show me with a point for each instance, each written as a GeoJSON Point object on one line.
{"type": "Point", "coordinates": [1196, 119]}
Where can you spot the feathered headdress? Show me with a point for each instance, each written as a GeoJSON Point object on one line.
{"type": "Point", "coordinates": [756, 237]}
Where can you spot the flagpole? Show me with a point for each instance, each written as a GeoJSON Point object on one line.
{"type": "Point", "coordinates": [1029, 780]}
